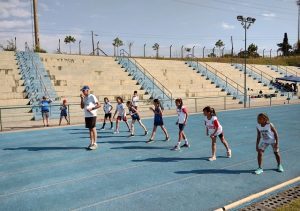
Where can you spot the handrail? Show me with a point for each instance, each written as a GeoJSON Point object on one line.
{"type": "Point", "coordinates": [287, 68]}
{"type": "Point", "coordinates": [218, 72]}
{"type": "Point", "coordinates": [123, 52]}
{"type": "Point", "coordinates": [261, 72]}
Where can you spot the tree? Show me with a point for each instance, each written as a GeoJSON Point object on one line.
{"type": "Point", "coordinates": [252, 50]}
{"type": "Point", "coordinates": [156, 48]}
{"type": "Point", "coordinates": [69, 40]}
{"type": "Point", "coordinates": [219, 44]}
{"type": "Point", "coordinates": [117, 43]}
{"type": "Point", "coordinates": [10, 46]}
{"type": "Point", "coordinates": [285, 47]}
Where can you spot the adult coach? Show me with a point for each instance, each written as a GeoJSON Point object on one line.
{"type": "Point", "coordinates": [90, 105]}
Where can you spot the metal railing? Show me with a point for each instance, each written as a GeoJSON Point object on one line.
{"type": "Point", "coordinates": [218, 78]}
{"type": "Point", "coordinates": [144, 78]}
{"type": "Point", "coordinates": [12, 117]}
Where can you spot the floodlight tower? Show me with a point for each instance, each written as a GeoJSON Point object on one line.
{"type": "Point", "coordinates": [298, 3]}
{"type": "Point", "coordinates": [246, 23]}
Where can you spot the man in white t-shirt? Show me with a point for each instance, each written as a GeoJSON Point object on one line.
{"type": "Point", "coordinates": [89, 104]}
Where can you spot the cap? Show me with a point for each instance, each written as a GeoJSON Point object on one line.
{"type": "Point", "coordinates": [85, 88]}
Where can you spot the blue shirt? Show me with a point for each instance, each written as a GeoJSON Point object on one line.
{"type": "Point", "coordinates": [45, 105]}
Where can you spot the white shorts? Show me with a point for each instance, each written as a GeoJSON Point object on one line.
{"type": "Point", "coordinates": [263, 146]}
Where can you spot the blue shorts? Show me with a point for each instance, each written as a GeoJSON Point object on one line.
{"type": "Point", "coordinates": [136, 117]}
{"type": "Point", "coordinates": [181, 127]}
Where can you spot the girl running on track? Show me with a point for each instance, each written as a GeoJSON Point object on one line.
{"type": "Point", "coordinates": [64, 112]}
{"type": "Point", "coordinates": [135, 117]}
{"type": "Point", "coordinates": [267, 132]}
{"type": "Point", "coordinates": [158, 121]}
{"type": "Point", "coordinates": [181, 122]}
{"type": "Point", "coordinates": [107, 108]}
{"type": "Point", "coordinates": [214, 129]}
{"type": "Point", "coordinates": [121, 114]}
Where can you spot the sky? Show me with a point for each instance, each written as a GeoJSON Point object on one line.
{"type": "Point", "coordinates": [187, 23]}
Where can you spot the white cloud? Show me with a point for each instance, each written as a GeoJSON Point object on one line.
{"type": "Point", "coordinates": [227, 26]}
{"type": "Point", "coordinates": [14, 8]}
{"type": "Point", "coordinates": [269, 15]}
{"type": "Point", "coordinates": [13, 24]}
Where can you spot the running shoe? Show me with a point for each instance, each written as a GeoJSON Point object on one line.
{"type": "Point", "coordinates": [259, 171]}
{"type": "Point", "coordinates": [212, 158]}
{"type": "Point", "coordinates": [150, 141]}
{"type": "Point", "coordinates": [167, 138]}
{"type": "Point", "coordinates": [280, 168]}
{"type": "Point", "coordinates": [116, 131]}
{"type": "Point", "coordinates": [146, 132]}
{"type": "Point", "coordinates": [176, 148]}
{"type": "Point", "coordinates": [186, 145]}
{"type": "Point", "coordinates": [229, 153]}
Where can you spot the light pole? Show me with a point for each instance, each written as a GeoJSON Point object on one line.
{"type": "Point", "coordinates": [93, 41]}
{"type": "Point", "coordinates": [270, 53]}
{"type": "Point", "coordinates": [203, 52]}
{"type": "Point", "coordinates": [171, 51]}
{"type": "Point", "coordinates": [144, 50]}
{"type": "Point", "coordinates": [246, 23]}
{"type": "Point", "coordinates": [79, 47]}
{"type": "Point", "coordinates": [98, 48]}
{"type": "Point", "coordinates": [298, 3]}
{"type": "Point", "coordinates": [59, 46]}
{"type": "Point", "coordinates": [264, 53]}
{"type": "Point", "coordinates": [193, 51]}
{"type": "Point", "coordinates": [182, 51]}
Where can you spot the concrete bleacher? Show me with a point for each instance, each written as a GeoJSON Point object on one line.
{"type": "Point", "coordinates": [184, 82]}
{"type": "Point", "coordinates": [104, 76]}
{"type": "Point", "coordinates": [12, 91]}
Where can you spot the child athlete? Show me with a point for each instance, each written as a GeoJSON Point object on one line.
{"type": "Point", "coordinates": [135, 117]}
{"type": "Point", "coordinates": [64, 112]}
{"type": "Point", "coordinates": [121, 114]}
{"type": "Point", "coordinates": [107, 108]}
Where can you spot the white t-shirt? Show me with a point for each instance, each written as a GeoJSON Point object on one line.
{"type": "Point", "coordinates": [107, 107]}
{"type": "Point", "coordinates": [135, 100]}
{"type": "Point", "coordinates": [212, 124]}
{"type": "Point", "coordinates": [266, 133]}
{"type": "Point", "coordinates": [121, 109]}
{"type": "Point", "coordinates": [181, 114]}
{"type": "Point", "coordinates": [90, 102]}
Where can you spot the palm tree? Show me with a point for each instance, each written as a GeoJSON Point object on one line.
{"type": "Point", "coordinates": [219, 44]}
{"type": "Point", "coordinates": [69, 40]}
{"type": "Point", "coordinates": [156, 48]}
{"type": "Point", "coordinates": [117, 43]}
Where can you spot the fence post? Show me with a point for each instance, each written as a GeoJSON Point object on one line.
{"type": "Point", "coordinates": [249, 102]}
{"type": "Point", "coordinates": [69, 114]}
{"type": "Point", "coordinates": [1, 119]}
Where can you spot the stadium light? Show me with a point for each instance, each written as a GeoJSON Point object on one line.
{"type": "Point", "coordinates": [246, 23]}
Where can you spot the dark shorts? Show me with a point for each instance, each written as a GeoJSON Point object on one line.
{"type": "Point", "coordinates": [45, 114]}
{"type": "Point", "coordinates": [221, 135]}
{"type": "Point", "coordinates": [122, 118]}
{"type": "Point", "coordinates": [136, 117]}
{"type": "Point", "coordinates": [108, 115]}
{"type": "Point", "coordinates": [90, 122]}
{"type": "Point", "coordinates": [158, 121]}
{"type": "Point", "coordinates": [63, 114]}
{"type": "Point", "coordinates": [181, 127]}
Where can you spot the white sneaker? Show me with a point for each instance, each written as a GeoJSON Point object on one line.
{"type": "Point", "coordinates": [94, 146]}
{"type": "Point", "coordinates": [116, 131]}
{"type": "Point", "coordinates": [229, 153]}
{"type": "Point", "coordinates": [176, 148]}
{"type": "Point", "coordinates": [212, 158]}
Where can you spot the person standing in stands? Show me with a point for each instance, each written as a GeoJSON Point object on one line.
{"type": "Point", "coordinates": [90, 105]}
{"type": "Point", "coordinates": [45, 108]}
{"type": "Point", "coordinates": [135, 100]}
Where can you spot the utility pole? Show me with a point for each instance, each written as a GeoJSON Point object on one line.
{"type": "Point", "coordinates": [298, 3]}
{"type": "Point", "coordinates": [36, 26]}
{"type": "Point", "coordinates": [93, 43]}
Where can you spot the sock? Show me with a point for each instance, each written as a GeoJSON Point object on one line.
{"type": "Point", "coordinates": [103, 125]}
{"type": "Point", "coordinates": [111, 124]}
{"type": "Point", "coordinates": [178, 144]}
{"type": "Point", "coordinates": [186, 141]}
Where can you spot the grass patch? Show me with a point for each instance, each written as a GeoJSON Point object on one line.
{"type": "Point", "coordinates": [295, 205]}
